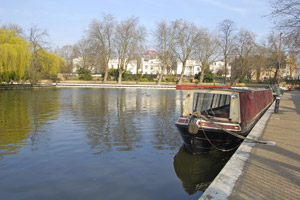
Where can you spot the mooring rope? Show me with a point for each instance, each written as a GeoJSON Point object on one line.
{"type": "Point", "coordinates": [219, 149]}
{"type": "Point", "coordinates": [198, 115]}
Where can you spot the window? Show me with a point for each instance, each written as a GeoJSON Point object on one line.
{"type": "Point", "coordinates": [216, 105]}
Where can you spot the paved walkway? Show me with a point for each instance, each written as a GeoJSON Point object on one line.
{"type": "Point", "coordinates": [269, 171]}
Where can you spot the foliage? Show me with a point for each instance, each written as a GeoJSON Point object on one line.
{"type": "Point", "coordinates": [293, 82]}
{"type": "Point", "coordinates": [113, 73]}
{"type": "Point", "coordinates": [169, 78]}
{"type": "Point", "coordinates": [50, 63]}
{"type": "Point", "coordinates": [84, 74]}
{"type": "Point", "coordinates": [126, 76]}
{"type": "Point", "coordinates": [208, 76]}
{"type": "Point", "coordinates": [143, 80]}
{"type": "Point", "coordinates": [15, 56]}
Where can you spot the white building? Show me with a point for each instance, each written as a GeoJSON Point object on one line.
{"type": "Point", "coordinates": [219, 67]}
{"type": "Point", "coordinates": [131, 67]}
{"type": "Point", "coordinates": [150, 63]}
{"type": "Point", "coordinates": [112, 64]}
{"type": "Point", "coordinates": [79, 63]}
{"type": "Point", "coordinates": [192, 67]}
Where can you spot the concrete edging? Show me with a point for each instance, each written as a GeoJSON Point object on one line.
{"type": "Point", "coordinates": [113, 85]}
{"type": "Point", "coordinates": [222, 185]}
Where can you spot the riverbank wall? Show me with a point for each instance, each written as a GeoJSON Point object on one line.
{"type": "Point", "coordinates": [265, 171]}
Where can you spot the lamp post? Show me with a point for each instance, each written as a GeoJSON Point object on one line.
{"type": "Point", "coordinates": [279, 59]}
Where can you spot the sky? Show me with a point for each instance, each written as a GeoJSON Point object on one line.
{"type": "Point", "coordinates": [66, 20]}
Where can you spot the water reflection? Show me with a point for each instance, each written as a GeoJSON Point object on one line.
{"type": "Point", "coordinates": [86, 142]}
{"type": "Point", "coordinates": [15, 124]}
{"type": "Point", "coordinates": [43, 110]}
{"type": "Point", "coordinates": [197, 171]}
{"type": "Point", "coordinates": [23, 116]}
{"type": "Point", "coordinates": [123, 119]}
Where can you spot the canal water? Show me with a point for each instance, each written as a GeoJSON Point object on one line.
{"type": "Point", "coordinates": [98, 143]}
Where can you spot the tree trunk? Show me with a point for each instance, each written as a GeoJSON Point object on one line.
{"type": "Point", "coordinates": [225, 68]}
{"type": "Point", "coordinates": [236, 81]}
{"type": "Point", "coordinates": [161, 74]}
{"type": "Point", "coordinates": [120, 76]}
{"type": "Point", "coordinates": [182, 73]}
{"type": "Point", "coordinates": [201, 76]}
{"type": "Point", "coordinates": [105, 76]}
{"type": "Point", "coordinates": [258, 74]}
{"type": "Point", "coordinates": [160, 78]}
{"type": "Point", "coordinates": [274, 81]}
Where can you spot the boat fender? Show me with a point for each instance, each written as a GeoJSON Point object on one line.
{"type": "Point", "coordinates": [193, 127]}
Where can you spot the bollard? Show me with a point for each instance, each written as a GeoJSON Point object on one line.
{"type": "Point", "coordinates": [277, 101]}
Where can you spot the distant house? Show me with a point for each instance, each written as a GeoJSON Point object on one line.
{"type": "Point", "coordinates": [192, 67]}
{"type": "Point", "coordinates": [291, 70]}
{"type": "Point", "coordinates": [218, 68]}
{"type": "Point", "coordinates": [151, 63]}
{"type": "Point", "coordinates": [80, 63]}
{"type": "Point", "coordinates": [112, 64]}
{"type": "Point", "coordinates": [131, 67]}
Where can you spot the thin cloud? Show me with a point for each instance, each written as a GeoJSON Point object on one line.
{"type": "Point", "coordinates": [241, 11]}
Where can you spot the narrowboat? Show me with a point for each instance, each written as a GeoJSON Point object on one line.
{"type": "Point", "coordinates": [220, 118]}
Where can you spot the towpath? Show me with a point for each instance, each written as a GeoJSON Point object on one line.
{"type": "Point", "coordinates": [267, 171]}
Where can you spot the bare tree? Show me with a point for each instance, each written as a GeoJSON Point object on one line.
{"type": "Point", "coordinates": [66, 52]}
{"type": "Point", "coordinates": [276, 55]}
{"type": "Point", "coordinates": [164, 37]}
{"type": "Point", "coordinates": [128, 36]}
{"type": "Point", "coordinates": [38, 39]}
{"type": "Point", "coordinates": [187, 37]}
{"type": "Point", "coordinates": [245, 49]}
{"type": "Point", "coordinates": [286, 16]}
{"type": "Point", "coordinates": [260, 59]}
{"type": "Point", "coordinates": [226, 28]}
{"type": "Point", "coordinates": [102, 33]}
{"type": "Point", "coordinates": [83, 49]}
{"type": "Point", "coordinates": [138, 55]}
{"type": "Point", "coordinates": [207, 51]}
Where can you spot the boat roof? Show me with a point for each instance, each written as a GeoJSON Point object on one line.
{"type": "Point", "coordinates": [232, 89]}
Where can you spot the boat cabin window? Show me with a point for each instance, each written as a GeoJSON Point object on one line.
{"type": "Point", "coordinates": [216, 105]}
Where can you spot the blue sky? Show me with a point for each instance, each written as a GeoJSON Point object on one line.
{"type": "Point", "coordinates": [66, 20]}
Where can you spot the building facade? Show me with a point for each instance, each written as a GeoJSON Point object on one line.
{"type": "Point", "coordinates": [192, 67]}
{"type": "Point", "coordinates": [289, 71]}
{"type": "Point", "coordinates": [218, 68]}
{"type": "Point", "coordinates": [151, 64]}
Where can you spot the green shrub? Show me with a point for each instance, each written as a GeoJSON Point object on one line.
{"type": "Point", "coordinates": [143, 80]}
{"type": "Point", "coordinates": [169, 78]}
{"type": "Point", "coordinates": [84, 74]}
{"type": "Point", "coordinates": [208, 76]}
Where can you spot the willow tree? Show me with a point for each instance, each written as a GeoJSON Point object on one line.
{"type": "Point", "coordinates": [50, 63]}
{"type": "Point", "coordinates": [14, 56]}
